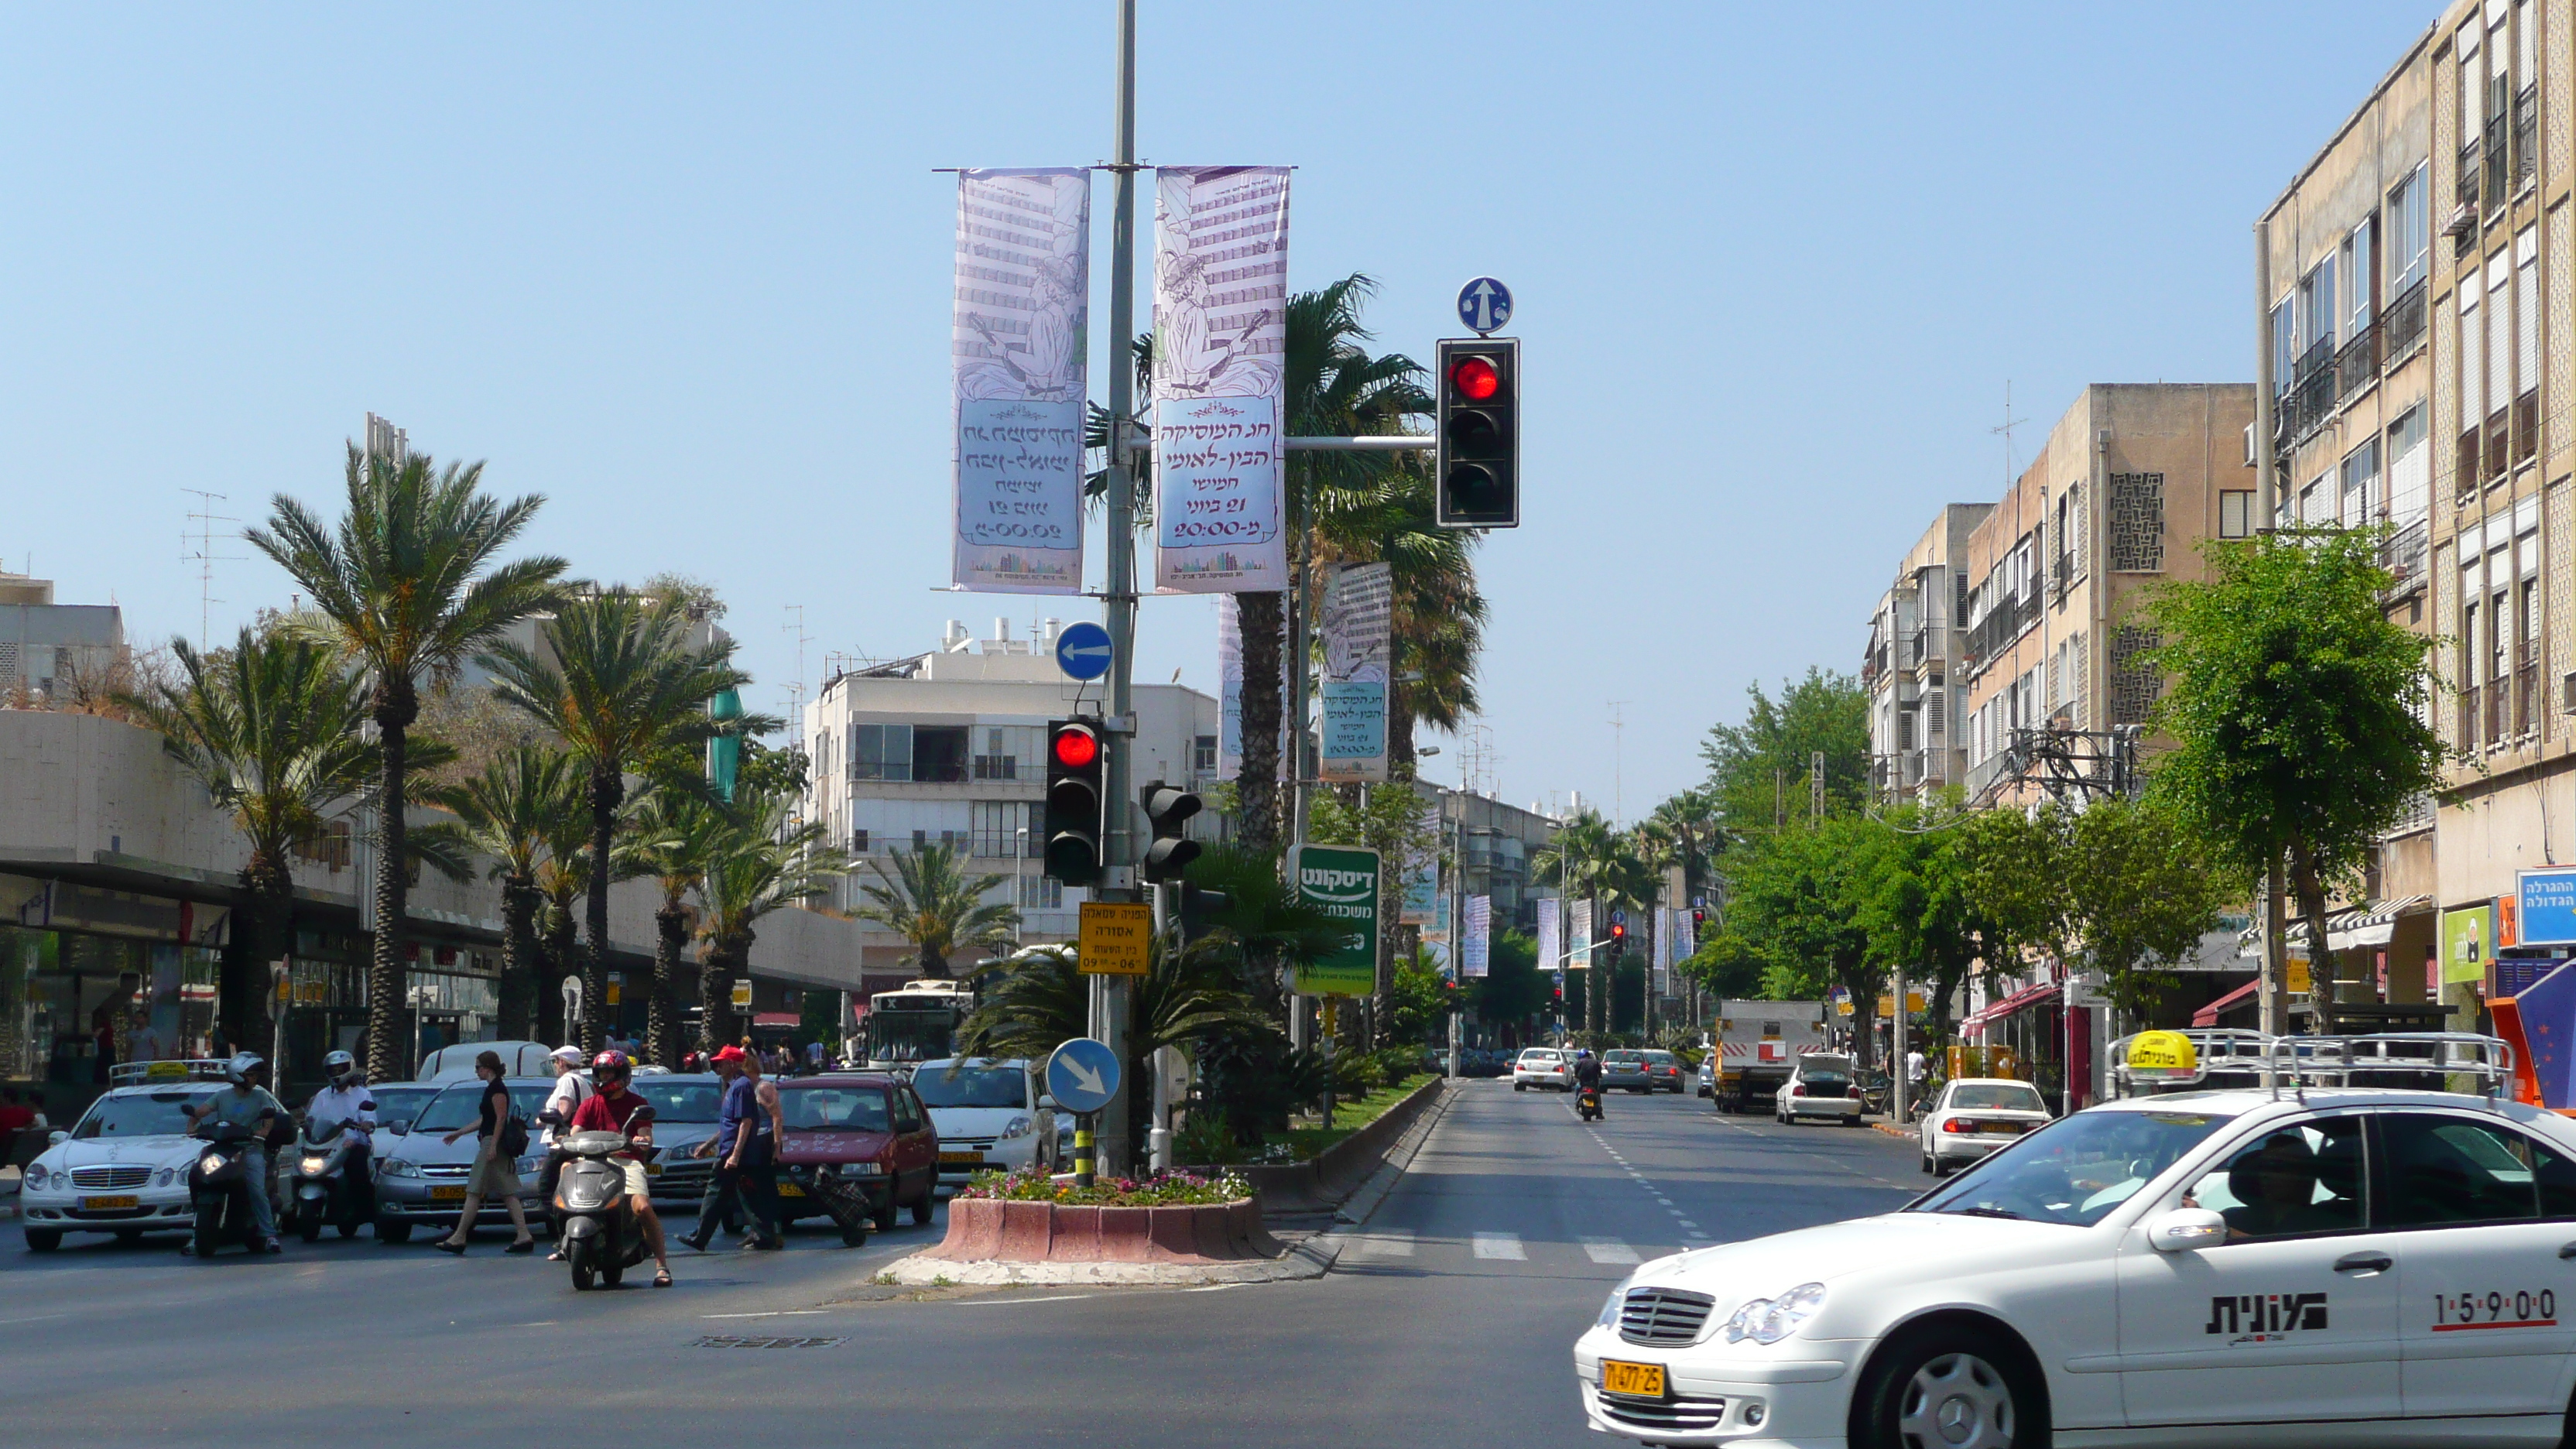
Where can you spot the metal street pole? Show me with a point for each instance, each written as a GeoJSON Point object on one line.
{"type": "Point", "coordinates": [1457, 928]}
{"type": "Point", "coordinates": [1899, 1081]}
{"type": "Point", "coordinates": [1118, 604]}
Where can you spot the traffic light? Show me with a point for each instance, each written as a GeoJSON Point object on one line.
{"type": "Point", "coordinates": [1699, 915]}
{"type": "Point", "coordinates": [1199, 909]}
{"type": "Point", "coordinates": [1618, 941]}
{"type": "Point", "coordinates": [1077, 759]}
{"type": "Point", "coordinates": [1168, 808]}
{"type": "Point", "coordinates": [1478, 458]}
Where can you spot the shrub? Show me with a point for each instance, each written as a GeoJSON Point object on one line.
{"type": "Point", "coordinates": [1172, 1189]}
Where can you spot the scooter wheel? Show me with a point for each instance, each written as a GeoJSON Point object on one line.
{"type": "Point", "coordinates": [612, 1274]}
{"type": "Point", "coordinates": [308, 1225]}
{"type": "Point", "coordinates": [583, 1274]}
{"type": "Point", "coordinates": [854, 1236]}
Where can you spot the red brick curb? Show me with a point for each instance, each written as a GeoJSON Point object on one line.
{"type": "Point", "coordinates": [987, 1230]}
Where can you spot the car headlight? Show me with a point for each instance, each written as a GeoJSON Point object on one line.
{"type": "Point", "coordinates": [1608, 1317]}
{"type": "Point", "coordinates": [533, 1162]}
{"type": "Point", "coordinates": [1019, 1127]}
{"type": "Point", "coordinates": [863, 1169]}
{"type": "Point", "coordinates": [1769, 1320]}
{"type": "Point", "coordinates": [36, 1176]}
{"type": "Point", "coordinates": [165, 1177]}
{"type": "Point", "coordinates": [399, 1167]}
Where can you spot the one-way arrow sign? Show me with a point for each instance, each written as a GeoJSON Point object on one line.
{"type": "Point", "coordinates": [1484, 304]}
{"type": "Point", "coordinates": [1082, 1076]}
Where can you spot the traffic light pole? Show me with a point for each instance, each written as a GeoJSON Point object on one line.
{"type": "Point", "coordinates": [1109, 1005]}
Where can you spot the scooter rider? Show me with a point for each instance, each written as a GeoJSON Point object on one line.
{"type": "Point", "coordinates": [347, 1100]}
{"type": "Point", "coordinates": [248, 1103]}
{"type": "Point", "coordinates": [611, 1109]}
{"type": "Point", "coordinates": [1587, 1073]}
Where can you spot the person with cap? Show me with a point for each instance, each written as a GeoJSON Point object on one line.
{"type": "Point", "coordinates": [553, 1121]}
{"type": "Point", "coordinates": [246, 1103]}
{"type": "Point", "coordinates": [743, 1148]}
{"type": "Point", "coordinates": [346, 1101]}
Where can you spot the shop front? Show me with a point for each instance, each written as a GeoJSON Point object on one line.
{"type": "Point", "coordinates": [90, 978]}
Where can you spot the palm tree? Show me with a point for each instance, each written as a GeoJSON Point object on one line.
{"type": "Point", "coordinates": [671, 838]}
{"type": "Point", "coordinates": [563, 881]}
{"type": "Point", "coordinates": [410, 587]}
{"type": "Point", "coordinates": [759, 863]}
{"type": "Point", "coordinates": [930, 901]}
{"type": "Point", "coordinates": [522, 799]}
{"type": "Point", "coordinates": [1588, 860]}
{"type": "Point", "coordinates": [625, 689]}
{"type": "Point", "coordinates": [271, 728]}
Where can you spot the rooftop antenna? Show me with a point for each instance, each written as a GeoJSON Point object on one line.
{"type": "Point", "coordinates": [796, 690]}
{"type": "Point", "coordinates": [1618, 734]}
{"type": "Point", "coordinates": [203, 555]}
{"type": "Point", "coordinates": [2006, 432]}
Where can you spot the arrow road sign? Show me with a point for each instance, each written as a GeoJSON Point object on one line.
{"type": "Point", "coordinates": [1082, 651]}
{"type": "Point", "coordinates": [1082, 1076]}
{"type": "Point", "coordinates": [1484, 304]}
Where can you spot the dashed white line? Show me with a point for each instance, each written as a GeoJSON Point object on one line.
{"type": "Point", "coordinates": [1385, 1243]}
{"type": "Point", "coordinates": [1609, 1250]}
{"type": "Point", "coordinates": [1504, 1246]}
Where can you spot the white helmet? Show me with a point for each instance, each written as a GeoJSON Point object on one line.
{"type": "Point", "coordinates": [238, 1070]}
{"type": "Point", "coordinates": [339, 1067]}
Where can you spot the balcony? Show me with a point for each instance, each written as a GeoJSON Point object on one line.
{"type": "Point", "coordinates": [2403, 555]}
{"type": "Point", "coordinates": [2526, 700]}
{"type": "Point", "coordinates": [2002, 625]}
{"type": "Point", "coordinates": [2401, 324]}
{"type": "Point", "coordinates": [1925, 646]}
{"type": "Point", "coordinates": [2526, 136]}
{"type": "Point", "coordinates": [2357, 365]}
{"type": "Point", "coordinates": [2496, 157]}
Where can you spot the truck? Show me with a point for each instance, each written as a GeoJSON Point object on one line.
{"type": "Point", "coordinates": [1753, 1046]}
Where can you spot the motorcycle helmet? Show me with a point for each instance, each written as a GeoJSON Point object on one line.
{"type": "Point", "coordinates": [238, 1070]}
{"type": "Point", "coordinates": [339, 1067]}
{"type": "Point", "coordinates": [611, 1066]}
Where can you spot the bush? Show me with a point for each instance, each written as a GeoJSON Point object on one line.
{"type": "Point", "coordinates": [1172, 1189]}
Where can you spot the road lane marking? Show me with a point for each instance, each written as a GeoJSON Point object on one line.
{"type": "Point", "coordinates": [1609, 1250]}
{"type": "Point", "coordinates": [773, 1313]}
{"type": "Point", "coordinates": [1014, 1302]}
{"type": "Point", "coordinates": [1386, 1243]}
{"type": "Point", "coordinates": [1504, 1246]}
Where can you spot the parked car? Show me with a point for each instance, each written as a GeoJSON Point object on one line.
{"type": "Point", "coordinates": [986, 1113]}
{"type": "Point", "coordinates": [1663, 1071]}
{"type": "Point", "coordinates": [864, 1140]}
{"type": "Point", "coordinates": [1975, 1115]}
{"type": "Point", "coordinates": [1820, 1085]}
{"type": "Point", "coordinates": [420, 1176]}
{"type": "Point", "coordinates": [1625, 1068]}
{"type": "Point", "coordinates": [122, 1168]}
{"type": "Point", "coordinates": [684, 1116]}
{"type": "Point", "coordinates": [1545, 1068]}
{"type": "Point", "coordinates": [456, 1063]}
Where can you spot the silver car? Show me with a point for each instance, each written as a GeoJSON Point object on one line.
{"type": "Point", "coordinates": [420, 1176]}
{"type": "Point", "coordinates": [684, 1117]}
{"type": "Point", "coordinates": [1626, 1068]}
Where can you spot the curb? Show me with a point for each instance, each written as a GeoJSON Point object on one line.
{"type": "Point", "coordinates": [1311, 1258]}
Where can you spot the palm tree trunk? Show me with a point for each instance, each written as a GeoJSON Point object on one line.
{"type": "Point", "coordinates": [725, 958]}
{"type": "Point", "coordinates": [557, 959]}
{"type": "Point", "coordinates": [518, 957]}
{"type": "Point", "coordinates": [661, 1030]}
{"type": "Point", "coordinates": [266, 908]}
{"type": "Point", "coordinates": [607, 792]}
{"type": "Point", "coordinates": [388, 1055]}
{"type": "Point", "coordinates": [1257, 787]}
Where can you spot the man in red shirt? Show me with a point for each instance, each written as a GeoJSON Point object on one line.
{"type": "Point", "coordinates": [611, 1109]}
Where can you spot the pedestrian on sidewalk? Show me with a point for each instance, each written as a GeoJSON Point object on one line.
{"type": "Point", "coordinates": [743, 1137]}
{"type": "Point", "coordinates": [495, 1171]}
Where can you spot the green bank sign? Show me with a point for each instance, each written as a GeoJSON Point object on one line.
{"type": "Point", "coordinates": [1342, 882]}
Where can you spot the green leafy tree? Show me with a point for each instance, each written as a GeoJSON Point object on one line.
{"type": "Point", "coordinates": [1728, 966]}
{"type": "Point", "coordinates": [2292, 701]}
{"type": "Point", "coordinates": [2120, 885]}
{"type": "Point", "coordinates": [1801, 894]}
{"type": "Point", "coordinates": [1513, 992]}
{"type": "Point", "coordinates": [1759, 770]}
{"type": "Point", "coordinates": [931, 900]}
{"type": "Point", "coordinates": [623, 689]}
{"type": "Point", "coordinates": [523, 797]}
{"type": "Point", "coordinates": [409, 585]}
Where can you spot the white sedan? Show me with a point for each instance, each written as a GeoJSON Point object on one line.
{"type": "Point", "coordinates": [122, 1169]}
{"type": "Point", "coordinates": [2346, 1267]}
{"type": "Point", "coordinates": [1543, 1067]}
{"type": "Point", "coordinates": [1976, 1115]}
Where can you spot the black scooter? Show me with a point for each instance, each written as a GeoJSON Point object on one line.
{"type": "Point", "coordinates": [219, 1188]}
{"type": "Point", "coordinates": [602, 1237]}
{"type": "Point", "coordinates": [326, 1191]}
{"type": "Point", "coordinates": [1587, 1103]}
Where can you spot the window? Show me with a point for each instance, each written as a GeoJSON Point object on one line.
{"type": "Point", "coordinates": [1203, 755]}
{"type": "Point", "coordinates": [998, 829]}
{"type": "Point", "coordinates": [2410, 232]}
{"type": "Point", "coordinates": [1000, 757]}
{"type": "Point", "coordinates": [2285, 347]}
{"type": "Point", "coordinates": [2358, 272]}
{"type": "Point", "coordinates": [2311, 508]}
{"type": "Point", "coordinates": [2444, 1171]}
{"type": "Point", "coordinates": [2295, 1182]}
{"type": "Point", "coordinates": [1041, 893]}
{"type": "Point", "coordinates": [939, 754]}
{"type": "Point", "coordinates": [880, 752]}
{"type": "Point", "coordinates": [2236, 514]}
{"type": "Point", "coordinates": [2499, 387]}
{"type": "Point", "coordinates": [858, 842]}
{"type": "Point", "coordinates": [2317, 314]}
{"type": "Point", "coordinates": [2473, 407]}
{"type": "Point", "coordinates": [2409, 465]}
{"type": "Point", "coordinates": [2360, 483]}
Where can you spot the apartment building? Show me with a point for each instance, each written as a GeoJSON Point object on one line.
{"type": "Point", "coordinates": [2129, 482]}
{"type": "Point", "coordinates": [1917, 638]}
{"type": "Point", "coordinates": [948, 748]}
{"type": "Point", "coordinates": [47, 649]}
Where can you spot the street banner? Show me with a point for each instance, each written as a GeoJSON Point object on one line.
{"type": "Point", "coordinates": [1578, 936]}
{"type": "Point", "coordinates": [1229, 697]}
{"type": "Point", "coordinates": [1421, 894]}
{"type": "Point", "coordinates": [1342, 881]}
{"type": "Point", "coordinates": [1017, 348]}
{"type": "Point", "coordinates": [1358, 617]}
{"type": "Point", "coordinates": [1475, 951]}
{"type": "Point", "coordinates": [1220, 332]}
{"type": "Point", "coordinates": [1663, 950]}
{"type": "Point", "coordinates": [1550, 935]}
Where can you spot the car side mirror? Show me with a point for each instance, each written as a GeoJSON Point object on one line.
{"type": "Point", "coordinates": [397, 1128]}
{"type": "Point", "coordinates": [57, 1139]}
{"type": "Point", "coordinates": [2185, 1230]}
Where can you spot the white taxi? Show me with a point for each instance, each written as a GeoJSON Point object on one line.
{"type": "Point", "coordinates": [1975, 1115]}
{"type": "Point", "coordinates": [122, 1168]}
{"type": "Point", "coordinates": [2305, 1265]}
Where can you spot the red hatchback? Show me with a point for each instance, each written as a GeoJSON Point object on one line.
{"type": "Point", "coordinates": [855, 1145]}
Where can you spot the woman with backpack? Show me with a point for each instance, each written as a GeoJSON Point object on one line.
{"type": "Point", "coordinates": [496, 1158]}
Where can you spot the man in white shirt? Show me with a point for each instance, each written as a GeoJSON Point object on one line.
{"type": "Point", "coordinates": [346, 1100]}
{"type": "Point", "coordinates": [554, 1120]}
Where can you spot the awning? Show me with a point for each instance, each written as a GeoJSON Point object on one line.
{"type": "Point", "coordinates": [2371, 923]}
{"type": "Point", "coordinates": [1997, 1011]}
{"type": "Point", "coordinates": [2208, 1015]}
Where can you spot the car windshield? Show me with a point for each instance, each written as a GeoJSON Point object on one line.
{"type": "Point", "coordinates": [2074, 1170]}
{"type": "Point", "coordinates": [1996, 1097]}
{"type": "Point", "coordinates": [1663, 1059]}
{"type": "Point", "coordinates": [971, 1086]}
{"type": "Point", "coordinates": [1623, 1058]}
{"type": "Point", "coordinates": [143, 1114]}
{"type": "Point", "coordinates": [680, 1099]}
{"type": "Point", "coordinates": [461, 1106]}
{"type": "Point", "coordinates": [834, 1109]}
{"type": "Point", "coordinates": [397, 1106]}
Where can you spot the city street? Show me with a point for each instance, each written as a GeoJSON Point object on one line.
{"type": "Point", "coordinates": [1448, 1319]}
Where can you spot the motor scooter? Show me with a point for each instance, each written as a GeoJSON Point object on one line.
{"type": "Point", "coordinates": [325, 1188]}
{"type": "Point", "coordinates": [1587, 1103]}
{"type": "Point", "coordinates": [602, 1237]}
{"type": "Point", "coordinates": [219, 1188]}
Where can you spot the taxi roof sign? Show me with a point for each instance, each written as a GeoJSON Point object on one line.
{"type": "Point", "coordinates": [2163, 1056]}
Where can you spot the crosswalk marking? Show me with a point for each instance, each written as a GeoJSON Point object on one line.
{"type": "Point", "coordinates": [1387, 1243]}
{"type": "Point", "coordinates": [1505, 1246]}
{"type": "Point", "coordinates": [1609, 1250]}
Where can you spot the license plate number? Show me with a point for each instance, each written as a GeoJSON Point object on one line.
{"type": "Point", "coordinates": [1634, 1380]}
{"type": "Point", "coordinates": [789, 1189]}
{"type": "Point", "coordinates": [448, 1194]}
{"type": "Point", "coordinates": [967, 1157]}
{"type": "Point", "coordinates": [2002, 1129]}
{"type": "Point", "coordinates": [108, 1204]}
{"type": "Point", "coordinates": [652, 1169]}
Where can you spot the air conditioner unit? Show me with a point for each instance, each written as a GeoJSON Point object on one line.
{"type": "Point", "coordinates": [2463, 217]}
{"type": "Point", "coordinates": [2567, 693]}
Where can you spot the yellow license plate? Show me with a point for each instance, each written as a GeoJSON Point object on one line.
{"type": "Point", "coordinates": [106, 1204]}
{"type": "Point", "coordinates": [448, 1194]}
{"type": "Point", "coordinates": [965, 1157]}
{"type": "Point", "coordinates": [1635, 1380]}
{"type": "Point", "coordinates": [789, 1189]}
{"type": "Point", "coordinates": [652, 1169]}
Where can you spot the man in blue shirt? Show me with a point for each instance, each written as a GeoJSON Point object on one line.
{"type": "Point", "coordinates": [745, 1149]}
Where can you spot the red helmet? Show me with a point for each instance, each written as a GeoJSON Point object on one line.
{"type": "Point", "coordinates": [612, 1065]}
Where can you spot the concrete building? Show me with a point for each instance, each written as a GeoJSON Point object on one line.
{"type": "Point", "coordinates": [1917, 639]}
{"type": "Point", "coordinates": [1493, 842]}
{"type": "Point", "coordinates": [46, 648]}
{"type": "Point", "coordinates": [947, 748]}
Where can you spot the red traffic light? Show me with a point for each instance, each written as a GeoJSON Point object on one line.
{"type": "Point", "coordinates": [1475, 379]}
{"type": "Point", "coordinates": [1618, 933]}
{"type": "Point", "coordinates": [1076, 748]}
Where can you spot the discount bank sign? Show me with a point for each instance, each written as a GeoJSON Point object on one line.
{"type": "Point", "coordinates": [2548, 906]}
{"type": "Point", "coordinates": [1341, 881]}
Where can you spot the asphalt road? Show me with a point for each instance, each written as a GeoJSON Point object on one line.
{"type": "Point", "coordinates": [1449, 1321]}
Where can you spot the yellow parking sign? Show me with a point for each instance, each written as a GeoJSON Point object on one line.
{"type": "Point", "coordinates": [1115, 937]}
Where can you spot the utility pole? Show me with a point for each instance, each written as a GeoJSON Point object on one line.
{"type": "Point", "coordinates": [1618, 739]}
{"type": "Point", "coordinates": [1815, 789]}
{"type": "Point", "coordinates": [1118, 603]}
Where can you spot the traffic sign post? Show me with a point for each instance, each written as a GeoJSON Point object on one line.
{"type": "Point", "coordinates": [1484, 305]}
{"type": "Point", "coordinates": [1116, 938]}
{"type": "Point", "coordinates": [1082, 1076]}
{"type": "Point", "coordinates": [1083, 651]}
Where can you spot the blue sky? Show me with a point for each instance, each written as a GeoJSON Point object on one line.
{"type": "Point", "coordinates": [684, 270]}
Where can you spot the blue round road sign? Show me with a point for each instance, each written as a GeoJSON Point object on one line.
{"type": "Point", "coordinates": [1082, 651]}
{"type": "Point", "coordinates": [1484, 304]}
{"type": "Point", "coordinates": [1082, 1075]}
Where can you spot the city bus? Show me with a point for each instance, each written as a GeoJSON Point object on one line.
{"type": "Point", "coordinates": [916, 1024]}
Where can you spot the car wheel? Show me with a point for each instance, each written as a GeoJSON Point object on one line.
{"type": "Point", "coordinates": [1927, 1164]}
{"type": "Point", "coordinates": [922, 1210]}
{"type": "Point", "coordinates": [884, 1217]}
{"type": "Point", "coordinates": [1519, 1087]}
{"type": "Point", "coordinates": [44, 1240]}
{"type": "Point", "coordinates": [854, 1235]}
{"type": "Point", "coordinates": [1953, 1387]}
{"type": "Point", "coordinates": [391, 1232]}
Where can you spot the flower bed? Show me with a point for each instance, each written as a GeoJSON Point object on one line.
{"type": "Point", "coordinates": [1172, 1189]}
{"type": "Point", "coordinates": [1175, 1219]}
